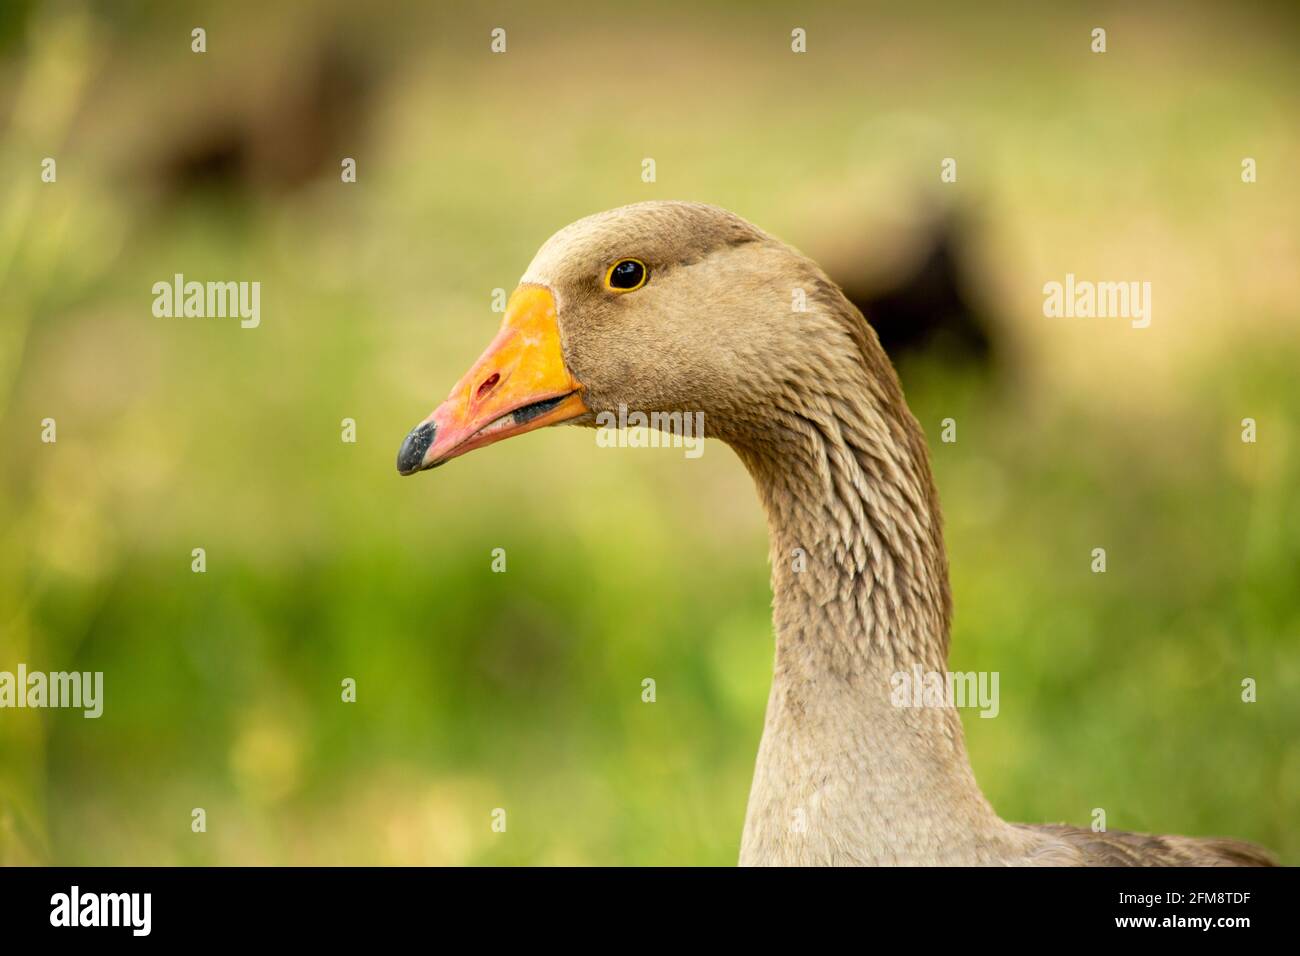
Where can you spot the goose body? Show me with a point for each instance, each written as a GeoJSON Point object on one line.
{"type": "Point", "coordinates": [684, 308]}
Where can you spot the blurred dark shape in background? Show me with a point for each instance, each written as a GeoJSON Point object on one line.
{"type": "Point", "coordinates": [296, 133]}
{"type": "Point", "coordinates": [931, 307]}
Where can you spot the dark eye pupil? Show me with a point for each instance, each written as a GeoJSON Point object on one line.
{"type": "Point", "coordinates": [626, 275]}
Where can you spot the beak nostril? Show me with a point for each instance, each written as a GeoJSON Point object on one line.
{"type": "Point", "coordinates": [488, 384]}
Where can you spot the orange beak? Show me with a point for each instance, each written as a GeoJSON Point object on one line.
{"type": "Point", "coordinates": [520, 383]}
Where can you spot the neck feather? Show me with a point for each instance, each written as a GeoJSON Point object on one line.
{"type": "Point", "coordinates": [860, 584]}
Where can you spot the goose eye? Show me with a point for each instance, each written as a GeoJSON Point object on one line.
{"type": "Point", "coordinates": [626, 275]}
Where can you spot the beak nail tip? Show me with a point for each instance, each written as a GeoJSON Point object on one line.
{"type": "Point", "coordinates": [410, 457]}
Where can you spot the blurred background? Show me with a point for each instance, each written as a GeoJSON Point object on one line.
{"type": "Point", "coordinates": [522, 690]}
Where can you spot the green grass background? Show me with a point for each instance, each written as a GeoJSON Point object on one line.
{"type": "Point", "coordinates": [523, 690]}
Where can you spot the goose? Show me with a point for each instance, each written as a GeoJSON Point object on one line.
{"type": "Point", "coordinates": [679, 307]}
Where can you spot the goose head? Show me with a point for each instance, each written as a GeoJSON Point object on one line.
{"type": "Point", "coordinates": [663, 307]}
